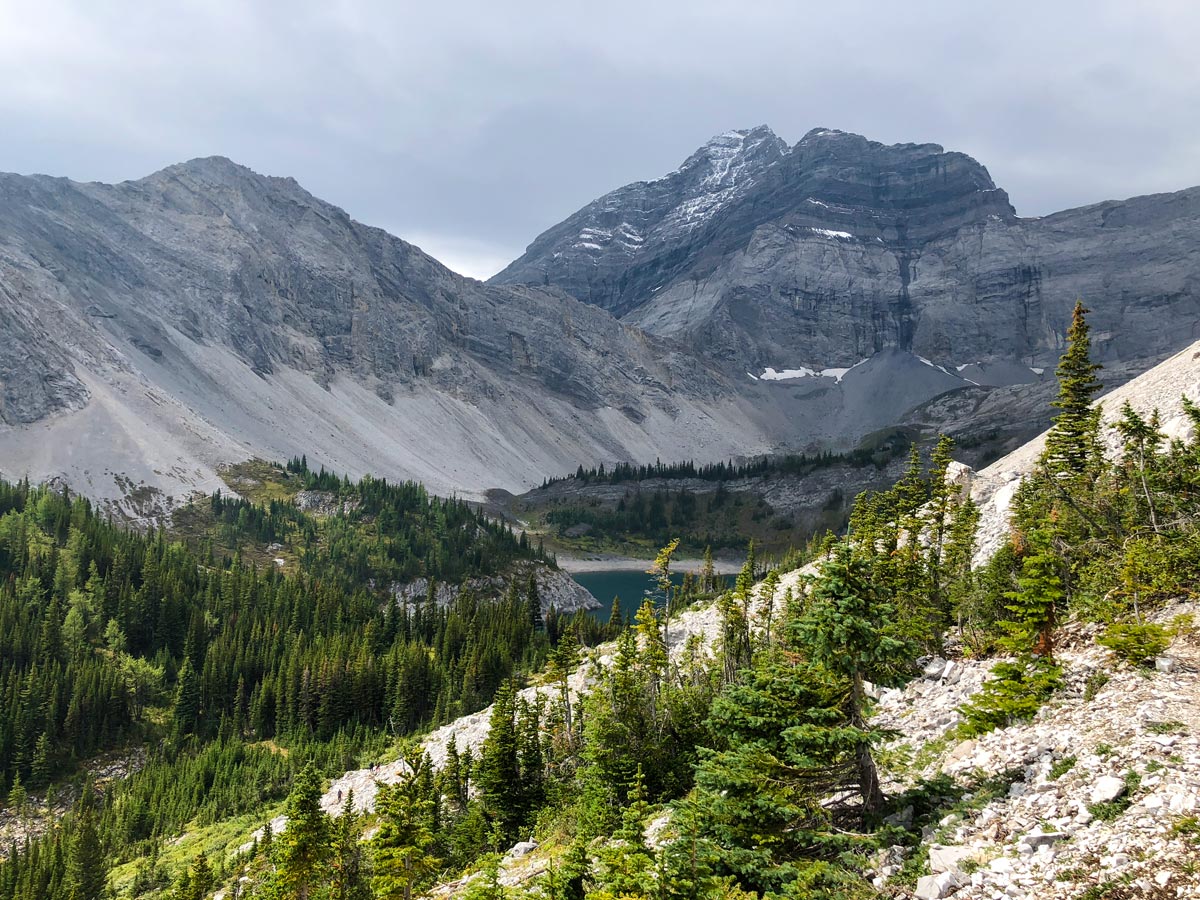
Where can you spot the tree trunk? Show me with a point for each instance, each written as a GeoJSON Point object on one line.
{"type": "Point", "coordinates": [868, 780]}
{"type": "Point", "coordinates": [868, 776]}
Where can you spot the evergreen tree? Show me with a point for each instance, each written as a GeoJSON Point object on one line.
{"type": "Point", "coordinates": [17, 795]}
{"type": "Point", "coordinates": [39, 773]}
{"type": "Point", "coordinates": [708, 573]}
{"type": "Point", "coordinates": [616, 618]}
{"type": "Point", "coordinates": [784, 746]}
{"type": "Point", "coordinates": [846, 630]}
{"type": "Point", "coordinates": [534, 598]}
{"type": "Point", "coordinates": [350, 880]}
{"type": "Point", "coordinates": [1071, 445]}
{"type": "Point", "coordinates": [187, 700]}
{"type": "Point", "coordinates": [304, 847]}
{"type": "Point", "coordinates": [87, 872]}
{"type": "Point", "coordinates": [403, 860]}
{"type": "Point", "coordinates": [1033, 605]}
{"type": "Point", "coordinates": [626, 865]}
{"type": "Point", "coordinates": [499, 771]}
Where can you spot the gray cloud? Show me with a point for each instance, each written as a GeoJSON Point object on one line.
{"type": "Point", "coordinates": [469, 127]}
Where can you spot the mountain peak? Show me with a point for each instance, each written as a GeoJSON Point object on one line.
{"type": "Point", "coordinates": [220, 168]}
{"type": "Point", "coordinates": [759, 142]}
{"type": "Point", "coordinates": [822, 132]}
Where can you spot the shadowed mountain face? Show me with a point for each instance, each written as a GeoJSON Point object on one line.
{"type": "Point", "coordinates": [825, 253]}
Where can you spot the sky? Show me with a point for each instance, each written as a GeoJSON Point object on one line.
{"type": "Point", "coordinates": [468, 128]}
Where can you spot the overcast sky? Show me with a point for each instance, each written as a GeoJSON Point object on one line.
{"type": "Point", "coordinates": [468, 128]}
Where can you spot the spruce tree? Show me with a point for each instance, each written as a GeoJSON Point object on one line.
{"type": "Point", "coordinates": [499, 771]}
{"type": "Point", "coordinates": [785, 746]}
{"type": "Point", "coordinates": [87, 872]}
{"type": "Point", "coordinates": [534, 598]}
{"type": "Point", "coordinates": [39, 773]}
{"type": "Point", "coordinates": [187, 700]}
{"type": "Point", "coordinates": [303, 849]}
{"type": "Point", "coordinates": [349, 880]}
{"type": "Point", "coordinates": [402, 845]}
{"type": "Point", "coordinates": [1071, 445]}
{"type": "Point", "coordinates": [626, 865]}
{"type": "Point", "coordinates": [616, 618]}
{"type": "Point", "coordinates": [1033, 605]}
{"type": "Point", "coordinates": [846, 630]}
{"type": "Point", "coordinates": [708, 574]}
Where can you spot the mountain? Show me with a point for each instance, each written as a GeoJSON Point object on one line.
{"type": "Point", "coordinates": [815, 257]}
{"type": "Point", "coordinates": [158, 329]}
{"type": "Point", "coordinates": [762, 298]}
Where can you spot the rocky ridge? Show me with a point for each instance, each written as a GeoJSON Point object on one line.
{"type": "Point", "coordinates": [1159, 389]}
{"type": "Point", "coordinates": [840, 247]}
{"type": "Point", "coordinates": [159, 328]}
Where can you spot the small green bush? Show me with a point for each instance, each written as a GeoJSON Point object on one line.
{"type": "Point", "coordinates": [1137, 644]}
{"type": "Point", "coordinates": [1062, 767]}
{"type": "Point", "coordinates": [1188, 826]}
{"type": "Point", "coordinates": [1014, 693]}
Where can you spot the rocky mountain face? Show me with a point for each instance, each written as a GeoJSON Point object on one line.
{"type": "Point", "coordinates": [156, 329]}
{"type": "Point", "coordinates": [818, 256]}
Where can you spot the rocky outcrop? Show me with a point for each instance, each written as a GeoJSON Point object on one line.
{"type": "Point", "coordinates": [555, 589]}
{"type": "Point", "coordinates": [1055, 833]}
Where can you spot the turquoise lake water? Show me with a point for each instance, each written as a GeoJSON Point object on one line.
{"type": "Point", "coordinates": [631, 587]}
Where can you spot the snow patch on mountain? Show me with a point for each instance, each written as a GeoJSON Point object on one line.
{"type": "Point", "coordinates": [837, 373]}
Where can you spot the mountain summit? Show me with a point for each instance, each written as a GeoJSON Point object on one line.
{"type": "Point", "coordinates": [827, 252]}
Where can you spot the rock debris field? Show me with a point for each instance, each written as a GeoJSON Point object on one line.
{"type": "Point", "coordinates": [1105, 783]}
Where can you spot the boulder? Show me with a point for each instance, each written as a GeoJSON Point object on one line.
{"type": "Point", "coordinates": [948, 859]}
{"type": "Point", "coordinates": [1107, 788]}
{"type": "Point", "coordinates": [934, 668]}
{"type": "Point", "coordinates": [522, 848]}
{"type": "Point", "coordinates": [934, 887]}
{"type": "Point", "coordinates": [1038, 839]}
{"type": "Point", "coordinates": [961, 751]}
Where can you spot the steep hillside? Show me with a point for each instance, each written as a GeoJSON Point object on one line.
{"type": "Point", "coordinates": [156, 329]}
{"type": "Point", "coordinates": [1159, 389]}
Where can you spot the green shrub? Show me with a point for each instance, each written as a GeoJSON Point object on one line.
{"type": "Point", "coordinates": [1188, 826]}
{"type": "Point", "coordinates": [1137, 644]}
{"type": "Point", "coordinates": [1062, 767]}
{"type": "Point", "coordinates": [1014, 693]}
